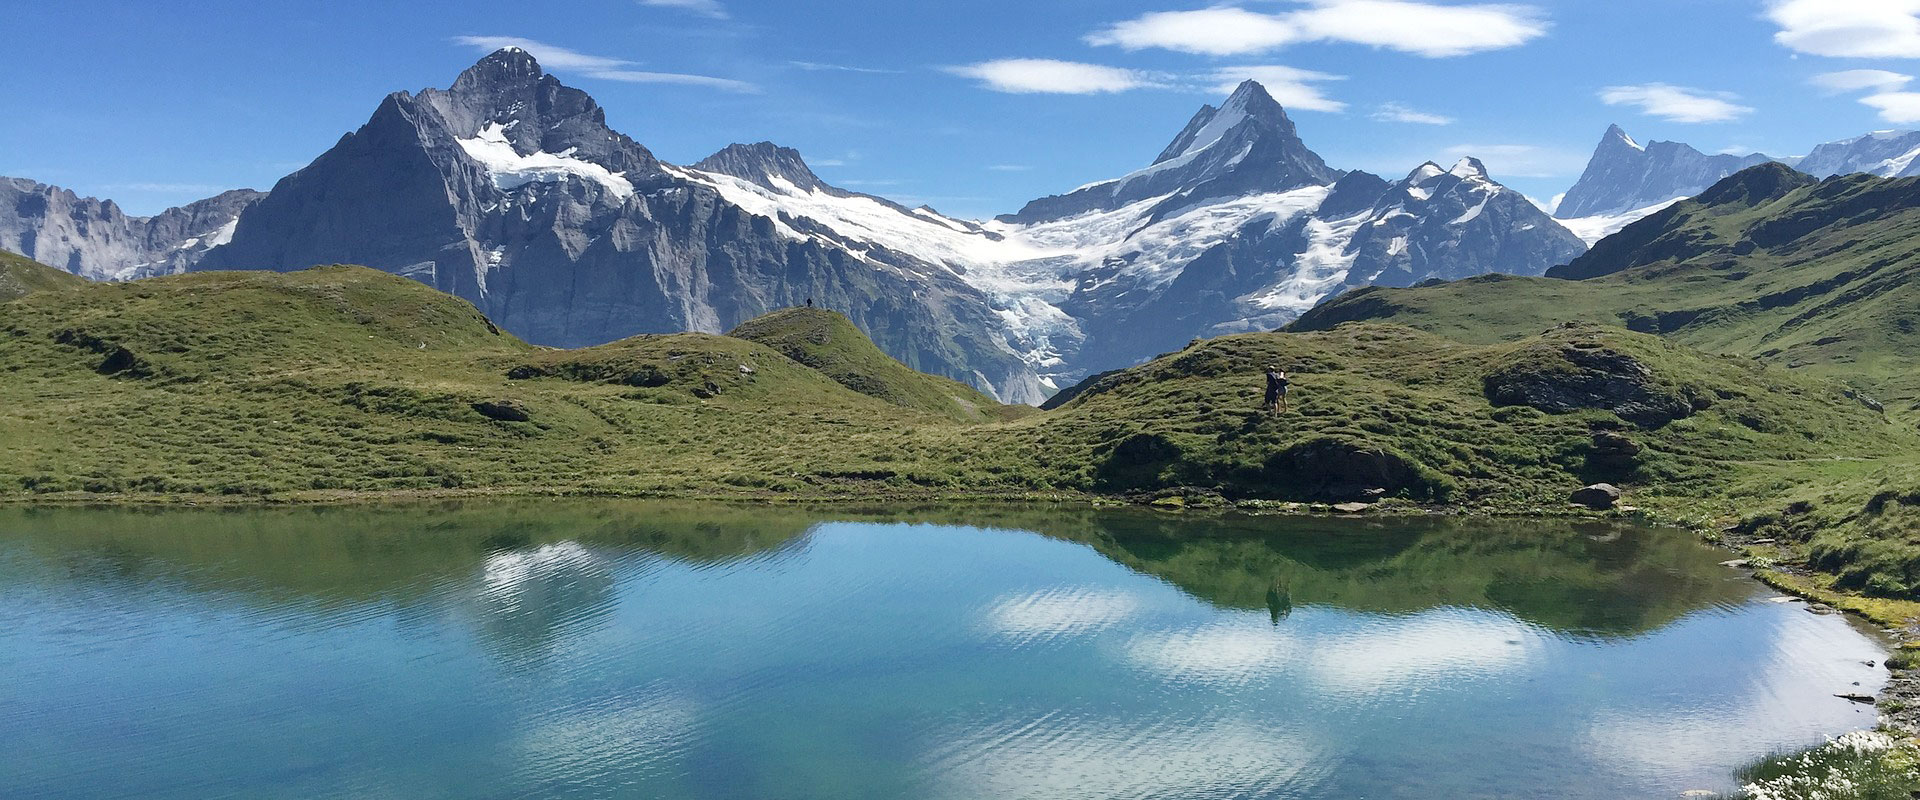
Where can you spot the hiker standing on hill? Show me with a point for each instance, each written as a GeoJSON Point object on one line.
{"type": "Point", "coordinates": [1277, 384]}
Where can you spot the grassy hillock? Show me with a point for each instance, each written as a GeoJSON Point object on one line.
{"type": "Point", "coordinates": [20, 276]}
{"type": "Point", "coordinates": [339, 381]}
{"type": "Point", "coordinates": [1428, 418]}
{"type": "Point", "coordinates": [829, 343]}
{"type": "Point", "coordinates": [1818, 276]}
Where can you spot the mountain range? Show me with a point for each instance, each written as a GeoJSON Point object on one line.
{"type": "Point", "coordinates": [509, 189]}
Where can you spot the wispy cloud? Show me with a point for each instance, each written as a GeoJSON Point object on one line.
{"type": "Point", "coordinates": [1848, 28]}
{"type": "Point", "coordinates": [1521, 160]}
{"type": "Point", "coordinates": [1900, 108]}
{"type": "Point", "coordinates": [601, 67]}
{"type": "Point", "coordinates": [705, 8]}
{"type": "Point", "coordinates": [1397, 112]}
{"type": "Point", "coordinates": [1047, 76]}
{"type": "Point", "coordinates": [1009, 167]}
{"type": "Point", "coordinates": [815, 66]}
{"type": "Point", "coordinates": [1854, 80]}
{"type": "Point", "coordinates": [1423, 29]}
{"type": "Point", "coordinates": [1290, 86]}
{"type": "Point", "coordinates": [1676, 103]}
{"type": "Point", "coordinates": [826, 162]}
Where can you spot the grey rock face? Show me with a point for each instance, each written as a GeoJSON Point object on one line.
{"type": "Point", "coordinates": [1888, 154]}
{"type": "Point", "coordinates": [1624, 176]}
{"type": "Point", "coordinates": [95, 239]}
{"type": "Point", "coordinates": [508, 189]}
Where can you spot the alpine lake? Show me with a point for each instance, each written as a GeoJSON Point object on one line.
{"type": "Point", "coordinates": [609, 649]}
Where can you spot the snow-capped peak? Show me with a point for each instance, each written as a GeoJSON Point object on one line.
{"type": "Point", "coordinates": [1249, 100]}
{"type": "Point", "coordinates": [1617, 134]}
{"type": "Point", "coordinates": [1468, 168]}
{"type": "Point", "coordinates": [1425, 172]}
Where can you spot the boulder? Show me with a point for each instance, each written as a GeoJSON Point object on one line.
{"type": "Point", "coordinates": [1600, 496]}
{"type": "Point", "coordinates": [503, 410]}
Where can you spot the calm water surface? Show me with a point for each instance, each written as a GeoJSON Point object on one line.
{"type": "Point", "coordinates": [675, 651]}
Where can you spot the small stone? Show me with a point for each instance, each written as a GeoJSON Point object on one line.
{"type": "Point", "coordinates": [1735, 563]}
{"type": "Point", "coordinates": [1351, 508]}
{"type": "Point", "coordinates": [1820, 608]}
{"type": "Point", "coordinates": [746, 370]}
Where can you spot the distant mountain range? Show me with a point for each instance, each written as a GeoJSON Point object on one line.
{"type": "Point", "coordinates": [509, 189]}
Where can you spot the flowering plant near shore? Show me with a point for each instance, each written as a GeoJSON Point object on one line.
{"type": "Point", "coordinates": [1862, 765]}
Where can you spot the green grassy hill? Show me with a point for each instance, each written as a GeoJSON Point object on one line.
{"type": "Point", "coordinates": [1818, 276]}
{"type": "Point", "coordinates": [337, 380]}
{"type": "Point", "coordinates": [828, 342]}
{"type": "Point", "coordinates": [20, 276]}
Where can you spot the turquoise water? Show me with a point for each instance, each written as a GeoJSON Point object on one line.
{"type": "Point", "coordinates": [675, 651]}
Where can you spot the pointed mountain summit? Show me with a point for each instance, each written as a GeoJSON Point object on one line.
{"type": "Point", "coordinates": [762, 163]}
{"type": "Point", "coordinates": [1625, 177]}
{"type": "Point", "coordinates": [1888, 154]}
{"type": "Point", "coordinates": [1248, 144]}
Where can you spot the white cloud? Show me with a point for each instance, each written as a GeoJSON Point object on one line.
{"type": "Point", "coordinates": [1211, 31]}
{"type": "Point", "coordinates": [1853, 80]}
{"type": "Point", "coordinates": [1848, 28]}
{"type": "Point", "coordinates": [1288, 85]}
{"type": "Point", "coordinates": [1433, 31]}
{"type": "Point", "coordinates": [1675, 103]}
{"type": "Point", "coordinates": [560, 58]}
{"type": "Point", "coordinates": [1424, 29]}
{"type": "Point", "coordinates": [1009, 167]}
{"type": "Point", "coordinates": [1396, 112]}
{"type": "Point", "coordinates": [705, 8]}
{"type": "Point", "coordinates": [827, 162]}
{"type": "Point", "coordinates": [1047, 76]}
{"type": "Point", "coordinates": [549, 56]}
{"type": "Point", "coordinates": [1900, 108]}
{"type": "Point", "coordinates": [1736, 150]}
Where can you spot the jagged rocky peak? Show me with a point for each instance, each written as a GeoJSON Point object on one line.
{"type": "Point", "coordinates": [1250, 104]}
{"type": "Point", "coordinates": [506, 97]}
{"type": "Point", "coordinates": [1246, 146]}
{"type": "Point", "coordinates": [1627, 179]}
{"type": "Point", "coordinates": [762, 163]}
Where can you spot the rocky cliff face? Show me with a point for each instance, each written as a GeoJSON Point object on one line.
{"type": "Point", "coordinates": [508, 189]}
{"type": "Point", "coordinates": [95, 239]}
{"type": "Point", "coordinates": [1624, 176]}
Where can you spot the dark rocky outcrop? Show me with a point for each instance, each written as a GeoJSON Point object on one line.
{"type": "Point", "coordinates": [1561, 378]}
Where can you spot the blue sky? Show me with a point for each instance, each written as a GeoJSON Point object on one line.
{"type": "Point", "coordinates": [956, 104]}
